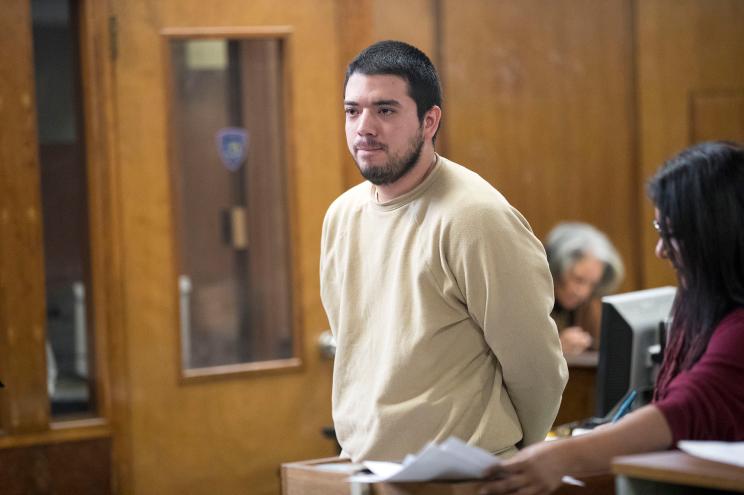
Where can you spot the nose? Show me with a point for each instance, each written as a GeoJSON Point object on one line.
{"type": "Point", "coordinates": [661, 250]}
{"type": "Point", "coordinates": [366, 124]}
{"type": "Point", "coordinates": [582, 291]}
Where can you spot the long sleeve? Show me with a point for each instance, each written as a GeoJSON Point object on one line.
{"type": "Point", "coordinates": [706, 402]}
{"type": "Point", "coordinates": [505, 280]}
{"type": "Point", "coordinates": [439, 301]}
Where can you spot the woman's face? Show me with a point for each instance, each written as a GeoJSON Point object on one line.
{"type": "Point", "coordinates": [666, 238]}
{"type": "Point", "coordinates": [578, 282]}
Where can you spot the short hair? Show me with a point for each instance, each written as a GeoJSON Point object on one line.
{"type": "Point", "coordinates": [405, 61]}
{"type": "Point", "coordinates": [569, 242]}
{"type": "Point", "coordinates": [700, 197]}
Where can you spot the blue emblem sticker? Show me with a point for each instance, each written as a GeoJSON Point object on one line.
{"type": "Point", "coordinates": [232, 146]}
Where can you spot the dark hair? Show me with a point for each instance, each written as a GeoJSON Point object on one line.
{"type": "Point", "coordinates": [405, 61]}
{"type": "Point", "coordinates": [700, 197]}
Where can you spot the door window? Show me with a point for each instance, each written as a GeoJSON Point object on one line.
{"type": "Point", "coordinates": [64, 193]}
{"type": "Point", "coordinates": [230, 204]}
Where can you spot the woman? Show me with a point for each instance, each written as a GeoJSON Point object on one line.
{"type": "Point", "coordinates": [585, 266]}
{"type": "Point", "coordinates": [699, 199]}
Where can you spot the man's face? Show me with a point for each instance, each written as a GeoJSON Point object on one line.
{"type": "Point", "coordinates": [383, 131]}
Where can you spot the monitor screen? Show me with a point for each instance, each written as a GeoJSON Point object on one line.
{"type": "Point", "coordinates": [630, 335]}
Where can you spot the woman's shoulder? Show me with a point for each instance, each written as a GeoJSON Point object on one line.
{"type": "Point", "coordinates": [729, 333]}
{"type": "Point", "coordinates": [733, 319]}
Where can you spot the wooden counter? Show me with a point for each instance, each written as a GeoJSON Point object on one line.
{"type": "Point", "coordinates": [675, 472]}
{"type": "Point", "coordinates": [318, 477]}
{"type": "Point", "coordinates": [579, 396]}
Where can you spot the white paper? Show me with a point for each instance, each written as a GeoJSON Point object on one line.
{"type": "Point", "coordinates": [727, 452]}
{"type": "Point", "coordinates": [451, 460]}
{"type": "Point", "coordinates": [570, 480]}
{"type": "Point", "coordinates": [339, 467]}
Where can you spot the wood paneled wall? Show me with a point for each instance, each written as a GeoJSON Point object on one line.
{"type": "Point", "coordinates": [69, 468]}
{"type": "Point", "coordinates": [539, 101]}
{"type": "Point", "coordinates": [24, 405]}
{"type": "Point", "coordinates": [691, 88]}
{"type": "Point", "coordinates": [568, 106]}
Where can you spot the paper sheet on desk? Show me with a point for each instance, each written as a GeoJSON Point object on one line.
{"type": "Point", "coordinates": [451, 460]}
{"type": "Point", "coordinates": [727, 452]}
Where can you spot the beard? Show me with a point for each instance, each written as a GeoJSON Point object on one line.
{"type": "Point", "coordinates": [397, 166]}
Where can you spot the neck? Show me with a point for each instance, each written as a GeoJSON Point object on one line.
{"type": "Point", "coordinates": [408, 182]}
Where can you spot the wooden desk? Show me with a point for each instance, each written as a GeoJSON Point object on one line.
{"type": "Point", "coordinates": [675, 472]}
{"type": "Point", "coordinates": [310, 478]}
{"type": "Point", "coordinates": [579, 396]}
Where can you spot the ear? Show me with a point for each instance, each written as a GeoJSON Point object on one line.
{"type": "Point", "coordinates": [431, 121]}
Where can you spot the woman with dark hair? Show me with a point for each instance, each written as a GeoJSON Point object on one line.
{"type": "Point", "coordinates": [699, 216]}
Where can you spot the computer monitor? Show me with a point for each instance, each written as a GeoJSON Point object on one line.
{"type": "Point", "coordinates": [629, 342]}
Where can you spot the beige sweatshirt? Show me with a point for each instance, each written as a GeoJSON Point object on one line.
{"type": "Point", "coordinates": [440, 304]}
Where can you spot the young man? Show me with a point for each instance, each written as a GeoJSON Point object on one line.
{"type": "Point", "coordinates": [435, 288]}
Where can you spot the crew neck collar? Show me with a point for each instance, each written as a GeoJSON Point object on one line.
{"type": "Point", "coordinates": [409, 196]}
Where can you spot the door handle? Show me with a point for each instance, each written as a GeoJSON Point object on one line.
{"type": "Point", "coordinates": [184, 309]}
{"type": "Point", "coordinates": [81, 333]}
{"type": "Point", "coordinates": [327, 345]}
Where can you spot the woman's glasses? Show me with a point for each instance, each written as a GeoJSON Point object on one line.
{"type": "Point", "coordinates": [660, 230]}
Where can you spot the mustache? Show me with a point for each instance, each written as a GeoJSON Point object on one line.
{"type": "Point", "coordinates": [368, 144]}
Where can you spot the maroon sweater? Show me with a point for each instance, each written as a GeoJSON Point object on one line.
{"type": "Point", "coordinates": [706, 402]}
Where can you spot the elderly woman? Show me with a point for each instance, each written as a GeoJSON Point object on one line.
{"type": "Point", "coordinates": [585, 266]}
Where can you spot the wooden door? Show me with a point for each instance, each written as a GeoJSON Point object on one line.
{"type": "Point", "coordinates": [55, 433]}
{"type": "Point", "coordinates": [211, 428]}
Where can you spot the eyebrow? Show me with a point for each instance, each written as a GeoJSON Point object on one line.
{"type": "Point", "coordinates": [388, 103]}
{"type": "Point", "coordinates": [377, 103]}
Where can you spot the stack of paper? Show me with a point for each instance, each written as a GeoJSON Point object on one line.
{"type": "Point", "coordinates": [727, 452]}
{"type": "Point", "coordinates": [451, 460]}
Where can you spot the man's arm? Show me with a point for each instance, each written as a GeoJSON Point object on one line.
{"type": "Point", "coordinates": [508, 288]}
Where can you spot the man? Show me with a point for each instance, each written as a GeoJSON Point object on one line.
{"type": "Point", "coordinates": [435, 288]}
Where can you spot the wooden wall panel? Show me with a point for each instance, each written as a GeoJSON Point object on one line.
{"type": "Point", "coordinates": [716, 116]}
{"type": "Point", "coordinates": [72, 468]}
{"type": "Point", "coordinates": [539, 100]}
{"type": "Point", "coordinates": [413, 21]}
{"type": "Point", "coordinates": [687, 49]}
{"type": "Point", "coordinates": [24, 404]}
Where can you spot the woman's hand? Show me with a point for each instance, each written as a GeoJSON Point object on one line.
{"type": "Point", "coordinates": [538, 469]}
{"type": "Point", "coordinates": [574, 340]}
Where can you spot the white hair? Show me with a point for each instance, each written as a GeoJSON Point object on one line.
{"type": "Point", "coordinates": [569, 242]}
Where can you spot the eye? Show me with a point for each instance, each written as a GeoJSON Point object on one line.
{"type": "Point", "coordinates": [386, 111]}
{"type": "Point", "coordinates": [350, 111]}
